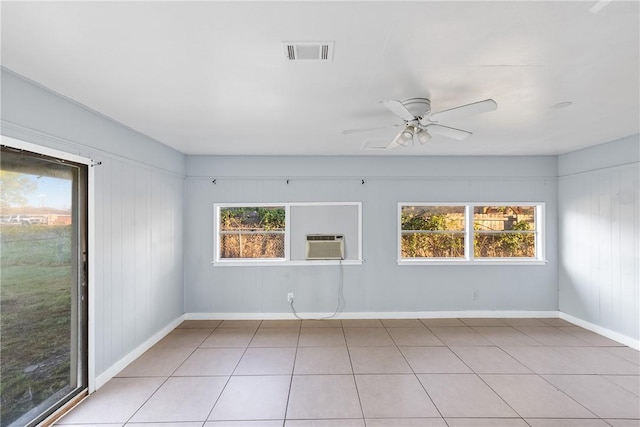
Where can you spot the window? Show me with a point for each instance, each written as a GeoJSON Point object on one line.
{"type": "Point", "coordinates": [250, 232]}
{"type": "Point", "coordinates": [432, 231]}
{"type": "Point", "coordinates": [504, 231]}
{"type": "Point", "coordinates": [471, 233]}
{"type": "Point", "coordinates": [268, 234]}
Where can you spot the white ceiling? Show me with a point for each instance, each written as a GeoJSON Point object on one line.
{"type": "Point", "coordinates": [211, 77]}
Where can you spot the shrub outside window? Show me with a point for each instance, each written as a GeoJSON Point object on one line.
{"type": "Point", "coordinates": [252, 232]}
{"type": "Point", "coordinates": [471, 233]}
{"type": "Point", "coordinates": [504, 231]}
{"type": "Point", "coordinates": [432, 231]}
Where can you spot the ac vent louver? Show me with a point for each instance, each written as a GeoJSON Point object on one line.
{"type": "Point", "coordinates": [325, 246]}
{"type": "Point", "coordinates": [318, 51]}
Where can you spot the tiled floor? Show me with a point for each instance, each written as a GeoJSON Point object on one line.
{"type": "Point", "coordinates": [389, 373]}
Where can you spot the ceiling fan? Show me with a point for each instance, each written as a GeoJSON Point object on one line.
{"type": "Point", "coordinates": [420, 123]}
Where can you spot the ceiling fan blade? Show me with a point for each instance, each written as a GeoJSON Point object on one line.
{"type": "Point", "coordinates": [464, 110]}
{"type": "Point", "coordinates": [349, 131]}
{"type": "Point", "coordinates": [395, 141]}
{"type": "Point", "coordinates": [453, 133]}
{"type": "Point", "coordinates": [398, 108]}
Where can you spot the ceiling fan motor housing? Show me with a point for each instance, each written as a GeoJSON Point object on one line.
{"type": "Point", "coordinates": [419, 107]}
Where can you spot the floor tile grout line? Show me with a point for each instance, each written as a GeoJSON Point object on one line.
{"type": "Point", "coordinates": [167, 378]}
{"type": "Point", "coordinates": [146, 400]}
{"type": "Point", "coordinates": [533, 338]}
{"type": "Point", "coordinates": [353, 376]}
{"type": "Point", "coordinates": [395, 344]}
{"type": "Point", "coordinates": [570, 397]}
{"type": "Point", "coordinates": [545, 345]}
{"type": "Point", "coordinates": [293, 369]}
{"type": "Point", "coordinates": [230, 376]}
{"type": "Point", "coordinates": [498, 394]}
{"type": "Point", "coordinates": [422, 385]}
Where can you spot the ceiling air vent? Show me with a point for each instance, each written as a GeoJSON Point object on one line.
{"type": "Point", "coordinates": [318, 51]}
{"type": "Point", "coordinates": [375, 144]}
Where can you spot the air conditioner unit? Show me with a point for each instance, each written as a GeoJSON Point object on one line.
{"type": "Point", "coordinates": [325, 246]}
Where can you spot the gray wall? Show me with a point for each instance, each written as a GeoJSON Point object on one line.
{"type": "Point", "coordinates": [379, 285]}
{"type": "Point", "coordinates": [599, 217]}
{"type": "Point", "coordinates": [335, 219]}
{"type": "Point", "coordinates": [144, 225]}
{"type": "Point", "coordinates": [139, 193]}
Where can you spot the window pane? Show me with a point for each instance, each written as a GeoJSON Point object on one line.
{"type": "Point", "coordinates": [259, 245]}
{"type": "Point", "coordinates": [450, 218]}
{"type": "Point", "coordinates": [504, 231]}
{"type": "Point", "coordinates": [40, 302]}
{"type": "Point", "coordinates": [252, 219]}
{"type": "Point", "coordinates": [504, 245]}
{"type": "Point", "coordinates": [432, 245]}
{"type": "Point", "coordinates": [500, 218]}
{"type": "Point", "coordinates": [252, 232]}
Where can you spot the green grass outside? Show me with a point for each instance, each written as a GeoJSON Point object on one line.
{"type": "Point", "coordinates": [35, 310]}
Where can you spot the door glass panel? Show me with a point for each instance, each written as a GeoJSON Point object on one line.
{"type": "Point", "coordinates": [42, 305]}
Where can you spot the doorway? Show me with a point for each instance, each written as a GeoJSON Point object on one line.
{"type": "Point", "coordinates": [43, 283]}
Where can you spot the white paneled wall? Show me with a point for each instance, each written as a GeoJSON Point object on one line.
{"type": "Point", "coordinates": [599, 244]}
{"type": "Point", "coordinates": [139, 205]}
{"type": "Point", "coordinates": [138, 256]}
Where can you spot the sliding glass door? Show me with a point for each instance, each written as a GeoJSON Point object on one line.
{"type": "Point", "coordinates": [43, 288]}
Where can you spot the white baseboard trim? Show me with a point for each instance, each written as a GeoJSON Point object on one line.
{"type": "Point", "coordinates": [608, 333]}
{"type": "Point", "coordinates": [623, 339]}
{"type": "Point", "coordinates": [377, 315]}
{"type": "Point", "coordinates": [104, 377]}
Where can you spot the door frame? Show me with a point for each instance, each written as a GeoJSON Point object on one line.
{"type": "Point", "coordinates": [52, 152]}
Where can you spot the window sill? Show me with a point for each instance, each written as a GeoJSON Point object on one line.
{"type": "Point", "coordinates": [285, 263]}
{"type": "Point", "coordinates": [501, 261]}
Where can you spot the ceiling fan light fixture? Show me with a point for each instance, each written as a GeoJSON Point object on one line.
{"type": "Point", "coordinates": [423, 136]}
{"type": "Point", "coordinates": [406, 136]}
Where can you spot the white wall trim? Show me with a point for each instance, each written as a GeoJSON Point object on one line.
{"type": "Point", "coordinates": [72, 147]}
{"type": "Point", "coordinates": [378, 315]}
{"type": "Point", "coordinates": [621, 166]}
{"type": "Point", "coordinates": [608, 333]}
{"type": "Point", "coordinates": [91, 279]}
{"type": "Point", "coordinates": [104, 377]}
{"type": "Point", "coordinates": [47, 151]}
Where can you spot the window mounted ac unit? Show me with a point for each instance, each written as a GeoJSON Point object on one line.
{"type": "Point", "coordinates": [325, 246]}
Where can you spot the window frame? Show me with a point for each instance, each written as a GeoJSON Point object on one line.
{"type": "Point", "coordinates": [217, 232]}
{"type": "Point", "coordinates": [465, 234]}
{"type": "Point", "coordinates": [286, 261]}
{"type": "Point", "coordinates": [469, 236]}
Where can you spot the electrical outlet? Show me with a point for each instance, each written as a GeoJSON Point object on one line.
{"type": "Point", "coordinates": [290, 297]}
